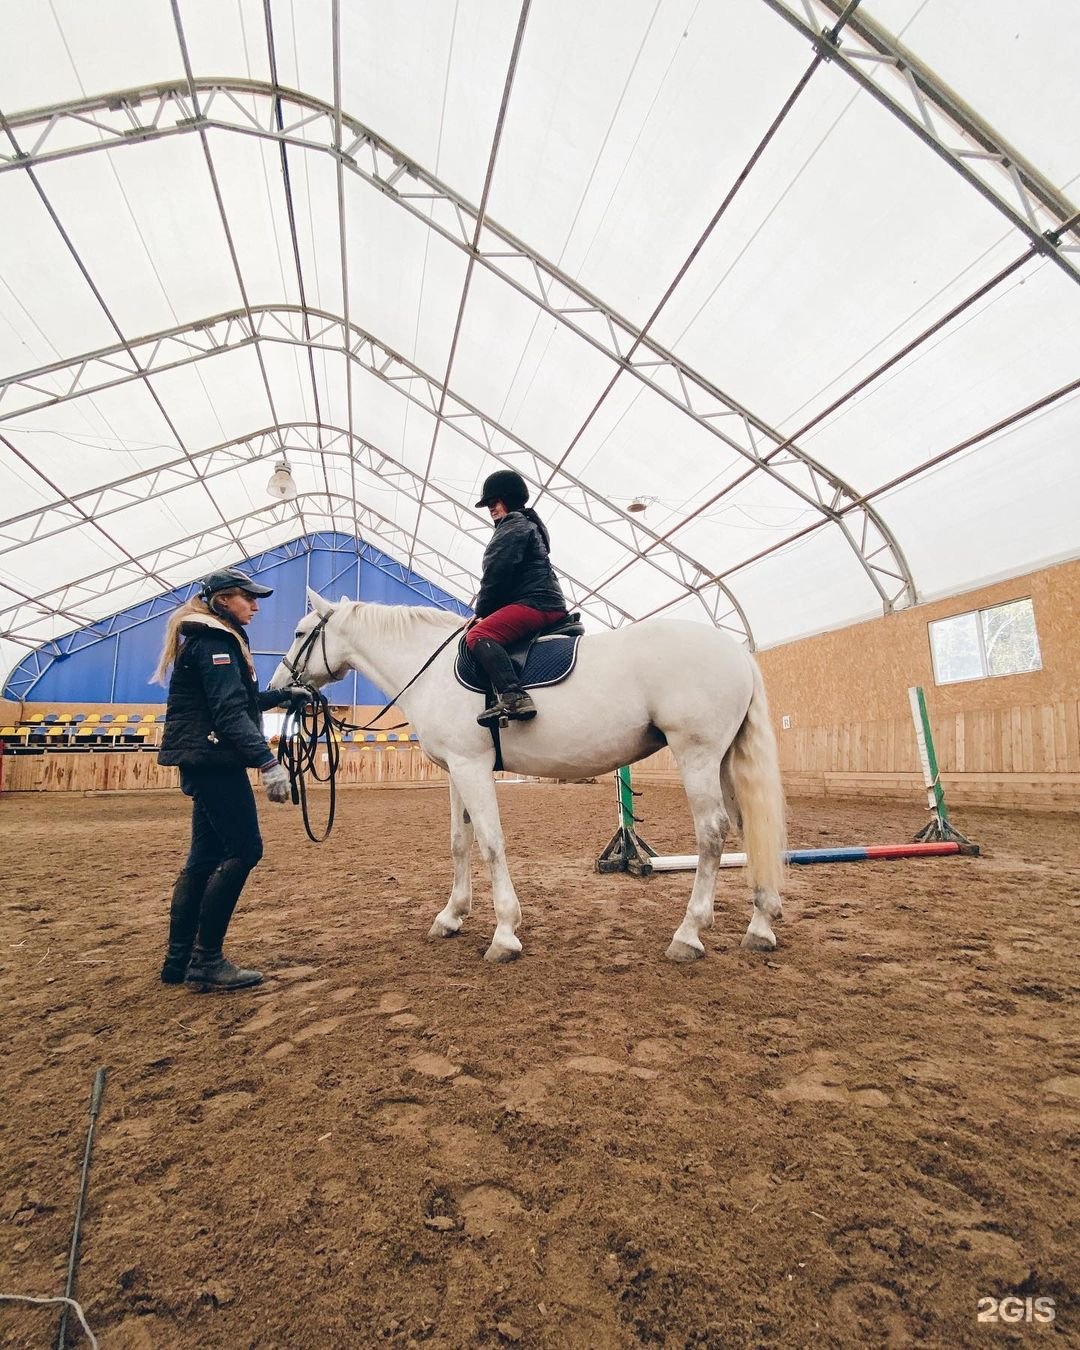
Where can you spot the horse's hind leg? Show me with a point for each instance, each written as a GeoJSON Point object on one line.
{"type": "Point", "coordinates": [700, 768]}
{"type": "Point", "coordinates": [459, 906]}
{"type": "Point", "coordinates": [759, 936]}
{"type": "Point", "coordinates": [477, 789]}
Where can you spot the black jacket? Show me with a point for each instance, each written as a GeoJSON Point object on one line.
{"type": "Point", "coordinates": [516, 569]}
{"type": "Point", "coordinates": [213, 717]}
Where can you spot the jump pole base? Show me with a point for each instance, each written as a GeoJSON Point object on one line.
{"type": "Point", "coordinates": [626, 852]}
{"type": "Point", "coordinates": [938, 831]}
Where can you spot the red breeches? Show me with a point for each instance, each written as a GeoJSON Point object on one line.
{"type": "Point", "coordinates": [510, 623]}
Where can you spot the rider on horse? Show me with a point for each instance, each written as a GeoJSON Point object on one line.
{"type": "Point", "coordinates": [519, 592]}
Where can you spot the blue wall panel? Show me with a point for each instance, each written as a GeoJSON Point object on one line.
{"type": "Point", "coordinates": [113, 661]}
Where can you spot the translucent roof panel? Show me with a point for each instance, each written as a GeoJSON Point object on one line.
{"type": "Point", "coordinates": [778, 342]}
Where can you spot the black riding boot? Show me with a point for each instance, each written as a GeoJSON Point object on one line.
{"type": "Point", "coordinates": [183, 922]}
{"type": "Point", "coordinates": [209, 968]}
{"type": "Point", "coordinates": [512, 701]}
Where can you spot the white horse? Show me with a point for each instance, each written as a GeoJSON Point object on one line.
{"type": "Point", "coordinates": [633, 690]}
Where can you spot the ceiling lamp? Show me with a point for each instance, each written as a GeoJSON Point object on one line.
{"type": "Point", "coordinates": [281, 484]}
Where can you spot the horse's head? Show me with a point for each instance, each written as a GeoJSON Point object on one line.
{"type": "Point", "coordinates": [319, 652]}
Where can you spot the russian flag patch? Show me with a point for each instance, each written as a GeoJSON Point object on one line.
{"type": "Point", "coordinates": [221, 659]}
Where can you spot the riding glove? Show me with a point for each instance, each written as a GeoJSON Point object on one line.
{"type": "Point", "coordinates": [297, 695]}
{"type": "Point", "coordinates": [276, 782]}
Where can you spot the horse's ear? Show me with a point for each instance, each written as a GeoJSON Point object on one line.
{"type": "Point", "coordinates": [344, 600]}
{"type": "Point", "coordinates": [323, 608]}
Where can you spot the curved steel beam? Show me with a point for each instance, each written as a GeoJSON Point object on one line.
{"type": "Point", "coordinates": [252, 107]}
{"type": "Point", "coordinates": [320, 440]}
{"type": "Point", "coordinates": [185, 344]}
{"type": "Point", "coordinates": [926, 105]}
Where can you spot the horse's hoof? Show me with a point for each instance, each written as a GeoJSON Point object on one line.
{"type": "Point", "coordinates": [756, 942]}
{"type": "Point", "coordinates": [500, 955]}
{"type": "Point", "coordinates": [441, 930]}
{"type": "Point", "coordinates": [682, 951]}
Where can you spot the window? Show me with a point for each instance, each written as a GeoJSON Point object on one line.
{"type": "Point", "coordinates": [998, 641]}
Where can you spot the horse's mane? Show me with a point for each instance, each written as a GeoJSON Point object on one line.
{"type": "Point", "coordinates": [394, 620]}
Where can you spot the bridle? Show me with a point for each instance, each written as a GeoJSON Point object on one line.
{"type": "Point", "coordinates": [298, 671]}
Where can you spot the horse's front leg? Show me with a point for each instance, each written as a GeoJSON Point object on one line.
{"type": "Point", "coordinates": [477, 788]}
{"type": "Point", "coordinates": [459, 906]}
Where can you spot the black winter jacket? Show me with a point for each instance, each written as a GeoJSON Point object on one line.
{"type": "Point", "coordinates": [213, 717]}
{"type": "Point", "coordinates": [516, 569]}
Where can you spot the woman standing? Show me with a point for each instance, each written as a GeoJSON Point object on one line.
{"type": "Point", "coordinates": [213, 733]}
{"type": "Point", "coordinates": [519, 592]}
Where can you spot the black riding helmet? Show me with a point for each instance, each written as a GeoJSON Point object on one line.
{"type": "Point", "coordinates": [506, 486]}
{"type": "Point", "coordinates": [231, 579]}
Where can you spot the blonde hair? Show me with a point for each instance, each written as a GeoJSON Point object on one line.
{"type": "Point", "coordinates": [171, 647]}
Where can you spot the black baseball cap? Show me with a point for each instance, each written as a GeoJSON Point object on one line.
{"type": "Point", "coordinates": [232, 579]}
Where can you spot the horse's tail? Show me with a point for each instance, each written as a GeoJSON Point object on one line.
{"type": "Point", "coordinates": [753, 768]}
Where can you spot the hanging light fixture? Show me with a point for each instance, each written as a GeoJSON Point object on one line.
{"type": "Point", "coordinates": [281, 484]}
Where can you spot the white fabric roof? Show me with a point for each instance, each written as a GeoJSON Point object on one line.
{"type": "Point", "coordinates": [636, 249]}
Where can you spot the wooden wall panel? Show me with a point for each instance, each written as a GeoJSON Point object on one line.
{"type": "Point", "coordinates": [1025, 756]}
{"type": "Point", "coordinates": [862, 673]}
{"type": "Point", "coordinates": [845, 695]}
{"type": "Point", "coordinates": [135, 771]}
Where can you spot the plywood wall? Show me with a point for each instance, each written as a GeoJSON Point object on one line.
{"type": "Point", "coordinates": [862, 673]}
{"type": "Point", "coordinates": [1012, 740]}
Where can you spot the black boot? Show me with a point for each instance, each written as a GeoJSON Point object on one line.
{"type": "Point", "coordinates": [212, 970]}
{"type": "Point", "coordinates": [183, 923]}
{"type": "Point", "coordinates": [512, 702]}
{"type": "Point", "coordinates": [209, 968]}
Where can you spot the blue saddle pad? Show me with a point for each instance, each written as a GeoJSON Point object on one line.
{"type": "Point", "coordinates": [549, 660]}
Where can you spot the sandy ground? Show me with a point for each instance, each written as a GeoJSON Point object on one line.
{"type": "Point", "coordinates": [850, 1142]}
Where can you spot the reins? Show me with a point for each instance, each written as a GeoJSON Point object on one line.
{"type": "Point", "coordinates": [305, 729]}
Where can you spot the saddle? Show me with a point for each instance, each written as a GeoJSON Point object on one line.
{"type": "Point", "coordinates": [547, 656]}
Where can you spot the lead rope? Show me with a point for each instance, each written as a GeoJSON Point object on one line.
{"type": "Point", "coordinates": [306, 728]}
{"type": "Point", "coordinates": [303, 731]}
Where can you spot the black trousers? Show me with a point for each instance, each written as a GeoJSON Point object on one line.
{"type": "Point", "coordinates": [224, 822]}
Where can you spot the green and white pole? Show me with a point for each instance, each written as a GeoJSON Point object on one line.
{"type": "Point", "coordinates": [626, 797]}
{"type": "Point", "coordinates": [935, 793]}
{"type": "Point", "coordinates": [939, 826]}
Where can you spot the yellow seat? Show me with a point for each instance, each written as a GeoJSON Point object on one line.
{"type": "Point", "coordinates": [37, 717]}
{"type": "Point", "coordinates": [93, 717]}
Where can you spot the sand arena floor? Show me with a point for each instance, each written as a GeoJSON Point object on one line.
{"type": "Point", "coordinates": [392, 1142]}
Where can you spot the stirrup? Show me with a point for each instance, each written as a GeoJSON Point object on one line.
{"type": "Point", "coordinates": [496, 714]}
{"type": "Point", "coordinates": [509, 707]}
